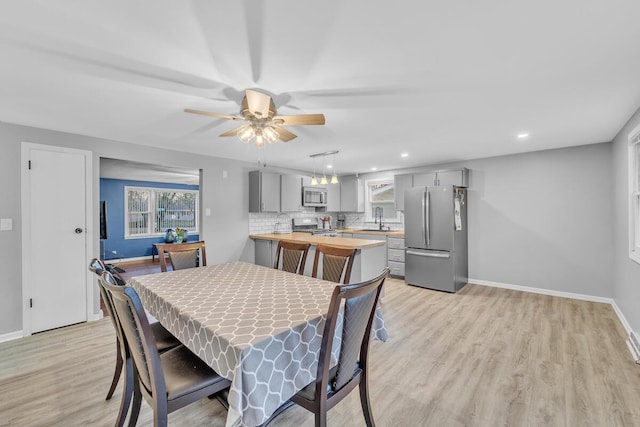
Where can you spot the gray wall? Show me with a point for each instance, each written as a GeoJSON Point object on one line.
{"type": "Point", "coordinates": [541, 219]}
{"type": "Point", "coordinates": [626, 271]}
{"type": "Point", "coordinates": [225, 230]}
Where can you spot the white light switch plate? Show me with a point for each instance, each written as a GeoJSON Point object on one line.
{"type": "Point", "coordinates": [6, 224]}
{"type": "Point", "coordinates": [207, 212]}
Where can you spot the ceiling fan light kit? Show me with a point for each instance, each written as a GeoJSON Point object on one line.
{"type": "Point", "coordinates": [259, 110]}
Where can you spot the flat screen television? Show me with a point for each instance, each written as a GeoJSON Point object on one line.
{"type": "Point", "coordinates": [103, 220]}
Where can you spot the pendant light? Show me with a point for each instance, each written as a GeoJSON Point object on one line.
{"type": "Point", "coordinates": [324, 180]}
{"type": "Point", "coordinates": [334, 177]}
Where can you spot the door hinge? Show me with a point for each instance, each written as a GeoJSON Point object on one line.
{"type": "Point", "coordinates": [29, 164]}
{"type": "Point", "coordinates": [30, 302]}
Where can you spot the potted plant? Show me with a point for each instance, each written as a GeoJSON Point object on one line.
{"type": "Point", "coordinates": [182, 235]}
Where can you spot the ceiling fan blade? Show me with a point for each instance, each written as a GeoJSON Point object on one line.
{"type": "Point", "coordinates": [301, 119]}
{"type": "Point", "coordinates": [232, 132]}
{"type": "Point", "coordinates": [258, 103]}
{"type": "Point", "coordinates": [284, 135]}
{"type": "Point", "coordinates": [216, 115]}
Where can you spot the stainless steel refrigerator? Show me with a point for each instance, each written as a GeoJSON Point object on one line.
{"type": "Point", "coordinates": [435, 229]}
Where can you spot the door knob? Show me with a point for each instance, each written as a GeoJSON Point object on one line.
{"type": "Point", "coordinates": [78, 230]}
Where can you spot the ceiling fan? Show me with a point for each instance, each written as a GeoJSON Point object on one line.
{"type": "Point", "coordinates": [263, 124]}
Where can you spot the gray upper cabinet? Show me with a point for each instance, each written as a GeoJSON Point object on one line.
{"type": "Point", "coordinates": [401, 183]}
{"type": "Point", "coordinates": [264, 191]}
{"type": "Point", "coordinates": [457, 177]}
{"type": "Point", "coordinates": [426, 179]}
{"type": "Point", "coordinates": [290, 193]}
{"type": "Point", "coordinates": [333, 197]}
{"type": "Point", "coordinates": [351, 194]}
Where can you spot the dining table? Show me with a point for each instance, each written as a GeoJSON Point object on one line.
{"type": "Point", "coordinates": [259, 327]}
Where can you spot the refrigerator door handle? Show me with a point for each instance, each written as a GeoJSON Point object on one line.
{"type": "Point", "coordinates": [429, 254]}
{"type": "Point", "coordinates": [426, 215]}
{"type": "Point", "coordinates": [424, 219]}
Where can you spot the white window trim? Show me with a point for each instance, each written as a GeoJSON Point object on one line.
{"type": "Point", "coordinates": [634, 207]}
{"type": "Point", "coordinates": [368, 214]}
{"type": "Point", "coordinates": [152, 191]}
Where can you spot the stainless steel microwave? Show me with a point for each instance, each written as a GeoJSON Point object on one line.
{"type": "Point", "coordinates": [314, 196]}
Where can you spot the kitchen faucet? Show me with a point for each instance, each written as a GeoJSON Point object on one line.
{"type": "Point", "coordinates": [378, 213]}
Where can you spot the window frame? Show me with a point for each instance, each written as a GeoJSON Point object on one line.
{"type": "Point", "coordinates": [368, 209]}
{"type": "Point", "coordinates": [152, 210]}
{"type": "Point", "coordinates": [634, 194]}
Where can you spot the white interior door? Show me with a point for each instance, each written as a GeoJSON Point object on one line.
{"type": "Point", "coordinates": [58, 222]}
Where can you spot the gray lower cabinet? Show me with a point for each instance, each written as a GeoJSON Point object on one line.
{"type": "Point", "coordinates": [265, 252]}
{"type": "Point", "coordinates": [395, 256]}
{"type": "Point", "coordinates": [264, 191]}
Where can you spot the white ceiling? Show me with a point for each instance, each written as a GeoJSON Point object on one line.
{"type": "Point", "coordinates": [442, 81]}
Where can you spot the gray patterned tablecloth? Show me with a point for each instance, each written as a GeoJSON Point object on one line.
{"type": "Point", "coordinates": [259, 327]}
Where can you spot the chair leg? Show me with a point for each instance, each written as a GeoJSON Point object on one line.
{"type": "Point", "coordinates": [137, 401]}
{"type": "Point", "coordinates": [117, 372]}
{"type": "Point", "coordinates": [364, 400]}
{"type": "Point", "coordinates": [321, 419]}
{"type": "Point", "coordinates": [127, 392]}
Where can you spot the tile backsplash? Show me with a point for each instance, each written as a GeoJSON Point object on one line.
{"type": "Point", "coordinates": [261, 223]}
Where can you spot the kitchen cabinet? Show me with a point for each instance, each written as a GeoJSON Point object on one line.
{"type": "Point", "coordinates": [401, 183]}
{"type": "Point", "coordinates": [290, 193]}
{"type": "Point", "coordinates": [333, 198]}
{"type": "Point", "coordinates": [351, 194]}
{"type": "Point", "coordinates": [457, 177]}
{"type": "Point", "coordinates": [395, 255]}
{"type": "Point", "coordinates": [264, 191]}
{"type": "Point", "coordinates": [265, 252]}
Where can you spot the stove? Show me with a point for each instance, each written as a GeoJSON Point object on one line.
{"type": "Point", "coordinates": [310, 225]}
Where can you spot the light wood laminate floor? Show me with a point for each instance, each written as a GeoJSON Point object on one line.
{"type": "Point", "coordinates": [481, 357]}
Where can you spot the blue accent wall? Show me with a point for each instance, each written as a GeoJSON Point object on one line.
{"type": "Point", "coordinates": [112, 191]}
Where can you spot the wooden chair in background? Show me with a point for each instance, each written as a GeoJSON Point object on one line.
{"type": "Point", "coordinates": [336, 263]}
{"type": "Point", "coordinates": [182, 255]}
{"type": "Point", "coordinates": [291, 256]}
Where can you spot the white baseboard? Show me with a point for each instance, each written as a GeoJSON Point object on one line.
{"type": "Point", "coordinates": [117, 261]}
{"type": "Point", "coordinates": [543, 291]}
{"type": "Point", "coordinates": [11, 336]}
{"type": "Point", "coordinates": [96, 316]}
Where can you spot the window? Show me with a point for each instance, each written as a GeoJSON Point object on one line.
{"type": "Point", "coordinates": [380, 194]}
{"type": "Point", "coordinates": [150, 211]}
{"type": "Point", "coordinates": [634, 194]}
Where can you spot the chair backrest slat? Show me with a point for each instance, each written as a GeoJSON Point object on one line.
{"type": "Point", "coordinates": [182, 255]}
{"type": "Point", "coordinates": [336, 263]}
{"type": "Point", "coordinates": [359, 302]}
{"type": "Point", "coordinates": [293, 256]}
{"type": "Point", "coordinates": [140, 341]}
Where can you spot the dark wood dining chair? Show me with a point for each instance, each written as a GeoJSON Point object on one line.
{"type": "Point", "coordinates": [167, 381]}
{"type": "Point", "coordinates": [333, 384]}
{"type": "Point", "coordinates": [291, 256]}
{"type": "Point", "coordinates": [163, 338]}
{"type": "Point", "coordinates": [182, 255]}
{"type": "Point", "coordinates": [336, 263]}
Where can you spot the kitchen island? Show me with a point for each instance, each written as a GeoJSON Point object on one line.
{"type": "Point", "coordinates": [370, 259]}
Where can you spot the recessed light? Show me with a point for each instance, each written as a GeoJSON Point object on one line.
{"type": "Point", "coordinates": [329, 166]}
{"type": "Point", "coordinates": [374, 169]}
{"type": "Point", "coordinates": [523, 135]}
{"type": "Point", "coordinates": [404, 155]}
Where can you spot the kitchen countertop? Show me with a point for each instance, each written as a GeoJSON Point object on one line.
{"type": "Point", "coordinates": [395, 233]}
{"type": "Point", "coordinates": [341, 242]}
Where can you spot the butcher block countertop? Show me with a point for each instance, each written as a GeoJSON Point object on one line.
{"type": "Point", "coordinates": [341, 242]}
